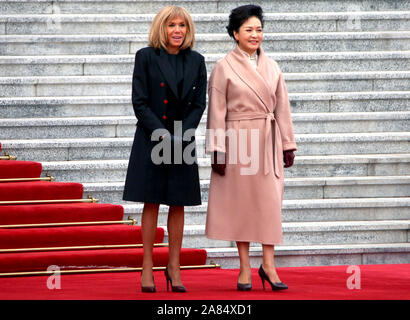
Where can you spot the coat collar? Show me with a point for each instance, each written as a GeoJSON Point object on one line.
{"type": "Point", "coordinates": [257, 80]}
{"type": "Point", "coordinates": [167, 71]}
{"type": "Point", "coordinates": [169, 75]}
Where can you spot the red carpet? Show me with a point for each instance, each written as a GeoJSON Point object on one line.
{"type": "Point", "coordinates": [55, 213]}
{"type": "Point", "coordinates": [40, 190]}
{"type": "Point", "coordinates": [378, 282]}
{"type": "Point", "coordinates": [86, 259]}
{"type": "Point", "coordinates": [20, 169]}
{"type": "Point", "coordinates": [73, 236]}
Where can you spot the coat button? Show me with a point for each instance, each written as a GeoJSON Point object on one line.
{"type": "Point", "coordinates": [165, 101]}
{"type": "Point", "coordinates": [162, 84]}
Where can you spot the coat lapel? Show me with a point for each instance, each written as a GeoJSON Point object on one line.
{"type": "Point", "coordinates": [252, 78]}
{"type": "Point", "coordinates": [189, 72]}
{"type": "Point", "coordinates": [169, 75]}
{"type": "Point", "coordinates": [167, 71]}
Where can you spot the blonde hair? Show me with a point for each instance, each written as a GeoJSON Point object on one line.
{"type": "Point", "coordinates": [158, 33]}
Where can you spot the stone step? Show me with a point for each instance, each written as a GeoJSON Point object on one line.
{"type": "Point", "coordinates": [339, 122]}
{"type": "Point", "coordinates": [193, 6]}
{"type": "Point", "coordinates": [205, 43]}
{"type": "Point", "coordinates": [315, 233]}
{"type": "Point", "coordinates": [339, 187]}
{"type": "Point", "coordinates": [121, 84]}
{"type": "Point", "coordinates": [352, 143]}
{"type": "Point", "coordinates": [337, 165]}
{"type": "Point", "coordinates": [307, 42]}
{"type": "Point", "coordinates": [204, 22]}
{"type": "Point", "coordinates": [65, 86]}
{"type": "Point", "coordinates": [304, 166]}
{"type": "Point", "coordinates": [74, 106]}
{"type": "Point", "coordinates": [317, 255]}
{"type": "Point", "coordinates": [124, 126]}
{"type": "Point", "coordinates": [75, 65]}
{"type": "Point", "coordinates": [68, 128]}
{"type": "Point", "coordinates": [349, 102]}
{"type": "Point", "coordinates": [312, 42]}
{"type": "Point", "coordinates": [334, 61]}
{"type": "Point", "coordinates": [303, 210]}
{"type": "Point", "coordinates": [295, 188]}
{"type": "Point", "coordinates": [347, 81]}
{"type": "Point", "coordinates": [119, 148]}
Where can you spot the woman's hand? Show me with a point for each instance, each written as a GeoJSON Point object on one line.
{"type": "Point", "coordinates": [218, 163]}
{"type": "Point", "coordinates": [288, 157]}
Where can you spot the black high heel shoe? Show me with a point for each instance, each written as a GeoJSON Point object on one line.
{"type": "Point", "coordinates": [274, 285]}
{"type": "Point", "coordinates": [244, 286]}
{"type": "Point", "coordinates": [180, 288]}
{"type": "Point", "coordinates": [149, 288]}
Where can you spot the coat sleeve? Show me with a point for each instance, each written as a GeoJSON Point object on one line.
{"type": "Point", "coordinates": [199, 104]}
{"type": "Point", "coordinates": [283, 116]}
{"type": "Point", "coordinates": [140, 95]}
{"type": "Point", "coordinates": [217, 110]}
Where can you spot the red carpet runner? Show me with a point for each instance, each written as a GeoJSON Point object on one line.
{"type": "Point", "coordinates": [378, 282]}
{"type": "Point", "coordinates": [64, 237]}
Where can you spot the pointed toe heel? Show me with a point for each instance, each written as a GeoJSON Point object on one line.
{"type": "Point", "coordinates": [149, 288]}
{"type": "Point", "coordinates": [244, 286]}
{"type": "Point", "coordinates": [276, 286]}
{"type": "Point", "coordinates": [180, 288]}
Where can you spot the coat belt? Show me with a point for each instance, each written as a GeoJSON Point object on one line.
{"type": "Point", "coordinates": [271, 161]}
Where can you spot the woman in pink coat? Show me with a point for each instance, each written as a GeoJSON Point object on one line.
{"type": "Point", "coordinates": [250, 137]}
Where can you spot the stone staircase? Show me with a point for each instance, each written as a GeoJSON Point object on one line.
{"type": "Point", "coordinates": [65, 86]}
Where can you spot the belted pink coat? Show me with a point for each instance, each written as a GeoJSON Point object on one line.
{"type": "Point", "coordinates": [249, 120]}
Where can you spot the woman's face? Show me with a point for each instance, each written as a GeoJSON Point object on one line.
{"type": "Point", "coordinates": [250, 35]}
{"type": "Point", "coordinates": [176, 31]}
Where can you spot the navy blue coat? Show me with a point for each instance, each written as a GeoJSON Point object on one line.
{"type": "Point", "coordinates": [155, 99]}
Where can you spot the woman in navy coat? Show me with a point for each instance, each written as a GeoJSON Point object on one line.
{"type": "Point", "coordinates": [169, 98]}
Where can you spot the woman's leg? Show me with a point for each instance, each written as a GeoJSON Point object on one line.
{"type": "Point", "coordinates": [245, 265]}
{"type": "Point", "coordinates": [149, 222]}
{"type": "Point", "coordinates": [175, 233]}
{"type": "Point", "coordinates": [268, 263]}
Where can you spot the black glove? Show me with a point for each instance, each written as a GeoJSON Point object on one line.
{"type": "Point", "coordinates": [218, 163]}
{"type": "Point", "coordinates": [288, 157]}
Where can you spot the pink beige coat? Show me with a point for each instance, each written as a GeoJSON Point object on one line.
{"type": "Point", "coordinates": [246, 203]}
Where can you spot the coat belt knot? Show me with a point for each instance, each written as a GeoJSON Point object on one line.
{"type": "Point", "coordinates": [271, 154]}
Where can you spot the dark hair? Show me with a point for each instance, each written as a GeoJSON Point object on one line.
{"type": "Point", "coordinates": [241, 14]}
